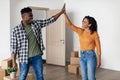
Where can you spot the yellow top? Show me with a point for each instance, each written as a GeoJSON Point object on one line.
{"type": "Point", "coordinates": [87, 40]}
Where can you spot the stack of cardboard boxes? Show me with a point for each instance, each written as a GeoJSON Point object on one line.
{"type": "Point", "coordinates": [74, 66]}
{"type": "Point", "coordinates": [3, 70]}
{"type": "Point", "coordinates": [4, 65]}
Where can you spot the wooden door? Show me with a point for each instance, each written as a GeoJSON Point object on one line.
{"type": "Point", "coordinates": [55, 40]}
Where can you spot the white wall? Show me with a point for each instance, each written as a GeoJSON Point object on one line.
{"type": "Point", "coordinates": [5, 29]}
{"type": "Point", "coordinates": [107, 14]}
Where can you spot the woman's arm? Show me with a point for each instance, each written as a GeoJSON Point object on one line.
{"type": "Point", "coordinates": [98, 47]}
{"type": "Point", "coordinates": [72, 26]}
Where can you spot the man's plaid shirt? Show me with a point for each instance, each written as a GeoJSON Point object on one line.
{"type": "Point", "coordinates": [19, 42]}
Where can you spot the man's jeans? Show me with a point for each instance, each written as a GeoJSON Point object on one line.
{"type": "Point", "coordinates": [88, 62]}
{"type": "Point", "coordinates": [36, 62]}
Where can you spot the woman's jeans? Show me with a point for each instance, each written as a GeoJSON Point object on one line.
{"type": "Point", "coordinates": [88, 62]}
{"type": "Point", "coordinates": [36, 62]}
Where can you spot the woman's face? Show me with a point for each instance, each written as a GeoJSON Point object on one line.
{"type": "Point", "coordinates": [85, 24]}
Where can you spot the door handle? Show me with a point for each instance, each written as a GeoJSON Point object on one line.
{"type": "Point", "coordinates": [63, 41]}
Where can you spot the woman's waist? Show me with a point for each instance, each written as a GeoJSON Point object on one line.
{"type": "Point", "coordinates": [87, 52]}
{"type": "Point", "coordinates": [87, 48]}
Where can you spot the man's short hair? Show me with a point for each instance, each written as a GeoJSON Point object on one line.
{"type": "Point", "coordinates": [25, 10]}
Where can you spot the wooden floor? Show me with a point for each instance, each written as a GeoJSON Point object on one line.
{"type": "Point", "coordinates": [52, 72]}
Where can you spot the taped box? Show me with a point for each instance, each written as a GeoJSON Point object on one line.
{"type": "Point", "coordinates": [74, 69]}
{"type": "Point", "coordinates": [6, 63]}
{"type": "Point", "coordinates": [18, 72]}
{"type": "Point", "coordinates": [74, 54]}
{"type": "Point", "coordinates": [74, 60]}
{"type": "Point", "coordinates": [17, 63]}
{"type": "Point", "coordinates": [3, 72]}
{"type": "Point", "coordinates": [79, 71]}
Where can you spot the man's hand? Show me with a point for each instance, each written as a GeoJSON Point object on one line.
{"type": "Point", "coordinates": [15, 67]}
{"type": "Point", "coordinates": [14, 61]}
{"type": "Point", "coordinates": [63, 9]}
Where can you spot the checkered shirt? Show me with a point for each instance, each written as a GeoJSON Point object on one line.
{"type": "Point", "coordinates": [19, 42]}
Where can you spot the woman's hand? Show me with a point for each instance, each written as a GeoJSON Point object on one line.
{"type": "Point", "coordinates": [63, 9]}
{"type": "Point", "coordinates": [98, 63]}
{"type": "Point", "coordinates": [60, 13]}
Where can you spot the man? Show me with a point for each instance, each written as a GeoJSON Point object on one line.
{"type": "Point", "coordinates": [27, 43]}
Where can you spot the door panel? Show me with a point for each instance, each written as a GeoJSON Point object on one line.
{"type": "Point", "coordinates": [55, 40]}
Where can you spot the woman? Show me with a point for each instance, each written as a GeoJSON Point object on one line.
{"type": "Point", "coordinates": [89, 40]}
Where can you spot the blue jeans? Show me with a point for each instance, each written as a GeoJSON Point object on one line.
{"type": "Point", "coordinates": [88, 62]}
{"type": "Point", "coordinates": [36, 62]}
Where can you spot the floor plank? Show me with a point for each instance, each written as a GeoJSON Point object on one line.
{"type": "Point", "coordinates": [52, 72]}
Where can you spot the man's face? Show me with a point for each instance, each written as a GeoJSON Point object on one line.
{"type": "Point", "coordinates": [27, 17]}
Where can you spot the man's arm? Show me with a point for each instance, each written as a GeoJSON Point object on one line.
{"type": "Point", "coordinates": [13, 46]}
{"type": "Point", "coordinates": [48, 21]}
{"type": "Point", "coordinates": [14, 61]}
{"type": "Point", "coordinates": [61, 12]}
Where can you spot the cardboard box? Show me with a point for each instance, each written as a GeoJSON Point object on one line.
{"type": "Point", "coordinates": [18, 69]}
{"type": "Point", "coordinates": [1, 77]}
{"type": "Point", "coordinates": [18, 72]}
{"type": "Point", "coordinates": [3, 73]}
{"type": "Point", "coordinates": [17, 63]}
{"type": "Point", "coordinates": [74, 60]}
{"type": "Point", "coordinates": [79, 71]}
{"type": "Point", "coordinates": [74, 69]}
{"type": "Point", "coordinates": [6, 63]}
{"type": "Point", "coordinates": [74, 54]}
{"type": "Point", "coordinates": [29, 77]}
